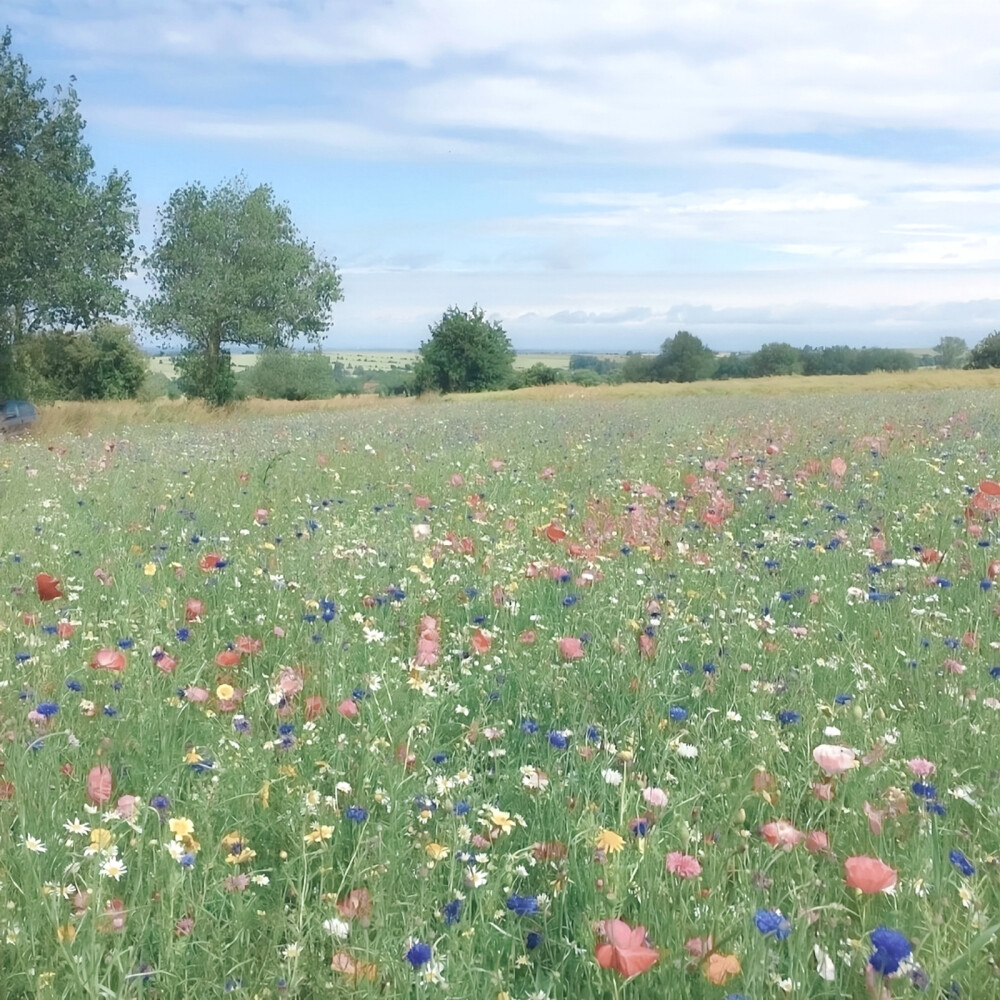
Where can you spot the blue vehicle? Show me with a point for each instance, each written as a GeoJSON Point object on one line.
{"type": "Point", "coordinates": [17, 415]}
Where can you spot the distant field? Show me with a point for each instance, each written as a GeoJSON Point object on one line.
{"type": "Point", "coordinates": [378, 360]}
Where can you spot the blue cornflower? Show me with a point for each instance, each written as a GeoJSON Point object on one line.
{"type": "Point", "coordinates": [161, 803]}
{"type": "Point", "coordinates": [286, 728]}
{"type": "Point", "coordinates": [523, 906]}
{"type": "Point", "coordinates": [961, 862]}
{"type": "Point", "coordinates": [994, 672]}
{"type": "Point", "coordinates": [891, 948]}
{"type": "Point", "coordinates": [187, 860]}
{"type": "Point", "coordinates": [533, 939]}
{"type": "Point", "coordinates": [73, 685]}
{"type": "Point", "coordinates": [789, 718]}
{"type": "Point", "coordinates": [110, 711]}
{"type": "Point", "coordinates": [50, 629]}
{"type": "Point", "coordinates": [951, 643]}
{"type": "Point", "coordinates": [985, 584]}
{"type": "Point", "coordinates": [843, 699]}
{"type": "Point", "coordinates": [557, 739]}
{"type": "Point", "coordinates": [203, 765]}
{"type": "Point", "coordinates": [418, 954]}
{"type": "Point", "coordinates": [357, 814]}
{"type": "Point", "coordinates": [286, 742]}
{"type": "Point", "coordinates": [529, 726]}
{"type": "Point", "coordinates": [452, 912]}
{"type": "Point", "coordinates": [569, 600]}
{"type": "Point", "coordinates": [935, 808]}
{"type": "Point", "coordinates": [241, 724]}
{"type": "Point", "coordinates": [126, 643]}
{"type": "Point", "coordinates": [183, 634]}
{"type": "Point", "coordinates": [593, 734]}
{"type": "Point", "coordinates": [47, 708]}
{"type": "Point", "coordinates": [22, 657]}
{"type": "Point", "coordinates": [233, 984]}
{"type": "Point", "coordinates": [440, 758]}
{"type": "Point", "coordinates": [678, 713]}
{"type": "Point", "coordinates": [923, 791]}
{"type": "Point", "coordinates": [772, 923]}
{"type": "Point", "coordinates": [461, 808]}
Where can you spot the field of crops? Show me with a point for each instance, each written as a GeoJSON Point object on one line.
{"type": "Point", "coordinates": [506, 698]}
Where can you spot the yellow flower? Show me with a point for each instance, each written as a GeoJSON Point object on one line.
{"type": "Point", "coordinates": [235, 850]}
{"type": "Point", "coordinates": [318, 834]}
{"type": "Point", "coordinates": [436, 852]}
{"type": "Point", "coordinates": [181, 826]}
{"type": "Point", "coordinates": [608, 840]}
{"type": "Point", "coordinates": [224, 692]}
{"type": "Point", "coordinates": [501, 819]}
{"type": "Point", "coordinates": [149, 569]}
{"type": "Point", "coordinates": [65, 932]}
{"type": "Point", "coordinates": [428, 561]}
{"type": "Point", "coordinates": [265, 794]}
{"type": "Point", "coordinates": [101, 839]}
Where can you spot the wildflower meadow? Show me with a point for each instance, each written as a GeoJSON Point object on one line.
{"type": "Point", "coordinates": [508, 700]}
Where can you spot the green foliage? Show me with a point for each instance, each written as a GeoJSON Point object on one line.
{"type": "Point", "coordinates": [986, 354]}
{"type": "Point", "coordinates": [775, 359]}
{"type": "Point", "coordinates": [283, 374]}
{"type": "Point", "coordinates": [841, 360]}
{"type": "Point", "coordinates": [733, 366]}
{"type": "Point", "coordinates": [201, 376]}
{"type": "Point", "coordinates": [103, 363]}
{"type": "Point", "coordinates": [230, 268]}
{"type": "Point", "coordinates": [67, 238]}
{"type": "Point", "coordinates": [466, 353]}
{"type": "Point", "coordinates": [950, 352]}
{"type": "Point", "coordinates": [591, 362]}
{"type": "Point", "coordinates": [539, 374]}
{"type": "Point", "coordinates": [156, 386]}
{"type": "Point", "coordinates": [683, 358]}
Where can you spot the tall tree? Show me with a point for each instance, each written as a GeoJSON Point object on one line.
{"type": "Point", "coordinates": [683, 358]}
{"type": "Point", "coordinates": [466, 353]}
{"type": "Point", "coordinates": [66, 239]}
{"type": "Point", "coordinates": [229, 267]}
{"type": "Point", "coordinates": [950, 352]}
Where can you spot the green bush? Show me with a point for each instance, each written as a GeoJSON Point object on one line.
{"type": "Point", "coordinates": [284, 374]}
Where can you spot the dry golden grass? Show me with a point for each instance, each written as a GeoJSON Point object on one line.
{"type": "Point", "coordinates": [106, 417]}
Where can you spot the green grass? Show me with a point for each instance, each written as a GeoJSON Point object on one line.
{"type": "Point", "coordinates": [712, 524]}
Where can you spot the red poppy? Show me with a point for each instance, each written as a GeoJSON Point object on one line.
{"type": "Point", "coordinates": [211, 561]}
{"type": "Point", "coordinates": [868, 874]}
{"type": "Point", "coordinates": [315, 706]}
{"type": "Point", "coordinates": [65, 629]}
{"type": "Point", "coordinates": [47, 587]}
{"type": "Point", "coordinates": [227, 658]}
{"type": "Point", "coordinates": [481, 641]}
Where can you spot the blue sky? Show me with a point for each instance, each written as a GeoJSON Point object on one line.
{"type": "Point", "coordinates": [595, 175]}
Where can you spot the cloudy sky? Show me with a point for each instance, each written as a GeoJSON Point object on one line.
{"type": "Point", "coordinates": [596, 174]}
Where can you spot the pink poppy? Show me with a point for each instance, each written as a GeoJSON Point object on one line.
{"type": "Point", "coordinates": [833, 760]}
{"type": "Point", "coordinates": [290, 681]}
{"type": "Point", "coordinates": [196, 694]}
{"type": "Point", "coordinates": [247, 645]}
{"type": "Point", "coordinates": [65, 629]}
{"type": "Point", "coordinates": [682, 865]}
{"type": "Point", "coordinates": [528, 637]}
{"type": "Point", "coordinates": [868, 874]}
{"type": "Point", "coordinates": [481, 641]}
{"type": "Point", "coordinates": [921, 767]}
{"type": "Point", "coordinates": [194, 608]}
{"type": "Point", "coordinates": [357, 905]}
{"type": "Point", "coordinates": [108, 659]}
{"type": "Point", "coordinates": [624, 949]}
{"type": "Point", "coordinates": [781, 833]}
{"type": "Point", "coordinates": [817, 842]}
{"type": "Point", "coordinates": [99, 784]}
{"type": "Point", "coordinates": [823, 790]}
{"type": "Point", "coordinates": [126, 806]}
{"type": "Point", "coordinates": [656, 797]}
{"type": "Point", "coordinates": [315, 707]}
{"type": "Point", "coordinates": [838, 467]}
{"type": "Point", "coordinates": [164, 661]}
{"type": "Point", "coordinates": [570, 648]}
{"type": "Point", "coordinates": [348, 708]}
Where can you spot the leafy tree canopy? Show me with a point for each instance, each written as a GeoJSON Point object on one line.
{"type": "Point", "coordinates": [66, 239]}
{"type": "Point", "coordinates": [683, 358]}
{"type": "Point", "coordinates": [986, 354]}
{"type": "Point", "coordinates": [466, 353]}
{"type": "Point", "coordinates": [229, 267]}
{"type": "Point", "coordinates": [950, 352]}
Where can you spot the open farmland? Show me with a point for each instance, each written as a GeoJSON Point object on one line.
{"type": "Point", "coordinates": [372, 361]}
{"type": "Point", "coordinates": [513, 696]}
